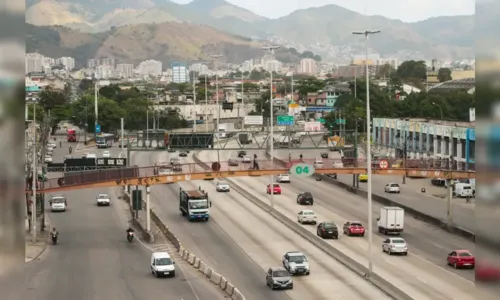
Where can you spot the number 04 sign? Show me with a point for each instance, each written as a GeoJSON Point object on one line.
{"type": "Point", "coordinates": [302, 170]}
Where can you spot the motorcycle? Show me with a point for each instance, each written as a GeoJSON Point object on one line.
{"type": "Point", "coordinates": [130, 236]}
{"type": "Point", "coordinates": [54, 239]}
{"type": "Point", "coordinates": [70, 150]}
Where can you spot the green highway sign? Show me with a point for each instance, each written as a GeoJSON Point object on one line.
{"type": "Point", "coordinates": [321, 120]}
{"type": "Point", "coordinates": [302, 170]}
{"type": "Point", "coordinates": [340, 121]}
{"type": "Point", "coordinates": [284, 120]}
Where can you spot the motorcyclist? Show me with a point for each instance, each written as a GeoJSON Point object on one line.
{"type": "Point", "coordinates": [70, 150]}
{"type": "Point", "coordinates": [129, 230]}
{"type": "Point", "coordinates": [54, 233]}
{"type": "Point", "coordinates": [301, 157]}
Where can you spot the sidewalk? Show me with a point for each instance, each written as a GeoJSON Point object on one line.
{"type": "Point", "coordinates": [33, 250]}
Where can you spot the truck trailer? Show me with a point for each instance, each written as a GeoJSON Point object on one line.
{"type": "Point", "coordinates": [391, 220]}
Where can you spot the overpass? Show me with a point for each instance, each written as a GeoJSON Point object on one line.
{"type": "Point", "coordinates": [146, 176]}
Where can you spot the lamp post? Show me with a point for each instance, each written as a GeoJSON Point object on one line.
{"type": "Point", "coordinates": [368, 151]}
{"type": "Point", "coordinates": [440, 109]}
{"type": "Point", "coordinates": [271, 125]}
{"type": "Point", "coordinates": [96, 107]}
{"type": "Point", "coordinates": [215, 58]}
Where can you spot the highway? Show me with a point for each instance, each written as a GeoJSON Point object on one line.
{"type": "Point", "coordinates": [422, 274]}
{"type": "Point", "coordinates": [94, 260]}
{"type": "Point", "coordinates": [242, 242]}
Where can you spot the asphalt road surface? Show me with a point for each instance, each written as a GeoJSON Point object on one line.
{"type": "Point", "coordinates": [94, 260]}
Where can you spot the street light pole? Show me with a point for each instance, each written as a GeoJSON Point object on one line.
{"type": "Point", "coordinates": [368, 152]}
{"type": "Point", "coordinates": [215, 58]}
{"type": "Point", "coordinates": [35, 179]}
{"type": "Point", "coordinates": [194, 103]}
{"type": "Point", "coordinates": [96, 108]}
{"type": "Point", "coordinates": [242, 103]}
{"type": "Point", "coordinates": [440, 109]}
{"type": "Point", "coordinates": [206, 103]}
{"type": "Point", "coordinates": [271, 123]}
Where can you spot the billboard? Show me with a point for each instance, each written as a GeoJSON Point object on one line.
{"type": "Point", "coordinates": [312, 126]}
{"type": "Point", "coordinates": [254, 120]}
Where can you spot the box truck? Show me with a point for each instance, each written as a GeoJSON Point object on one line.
{"type": "Point", "coordinates": [391, 220]}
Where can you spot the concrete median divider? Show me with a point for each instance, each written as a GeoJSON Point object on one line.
{"type": "Point", "coordinates": [138, 223]}
{"type": "Point", "coordinates": [237, 295]}
{"type": "Point", "coordinates": [186, 255]}
{"type": "Point", "coordinates": [345, 260]}
{"type": "Point", "coordinates": [387, 202]}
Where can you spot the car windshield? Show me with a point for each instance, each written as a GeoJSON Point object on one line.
{"type": "Point", "coordinates": [198, 204]}
{"type": "Point", "coordinates": [398, 242]}
{"type": "Point", "coordinates": [297, 259]}
{"type": "Point", "coordinates": [309, 213]}
{"type": "Point", "coordinates": [356, 224]}
{"type": "Point", "coordinates": [464, 254]}
{"type": "Point", "coordinates": [394, 185]}
{"type": "Point", "coordinates": [58, 200]}
{"type": "Point", "coordinates": [103, 196]}
{"type": "Point", "coordinates": [281, 273]}
{"type": "Point", "coordinates": [223, 183]}
{"type": "Point", "coordinates": [276, 185]}
{"type": "Point", "coordinates": [307, 195]}
{"type": "Point", "coordinates": [329, 225]}
{"type": "Point", "coordinates": [163, 261]}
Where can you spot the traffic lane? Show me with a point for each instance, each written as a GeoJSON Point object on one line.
{"type": "Point", "coordinates": [410, 273]}
{"type": "Point", "coordinates": [207, 241]}
{"type": "Point", "coordinates": [93, 259]}
{"type": "Point", "coordinates": [265, 240]}
{"type": "Point", "coordinates": [433, 207]}
{"type": "Point", "coordinates": [425, 240]}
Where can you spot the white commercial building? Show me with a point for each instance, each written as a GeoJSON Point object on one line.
{"type": "Point", "coordinates": [247, 66]}
{"type": "Point", "coordinates": [201, 69]}
{"type": "Point", "coordinates": [124, 70]}
{"type": "Point", "coordinates": [149, 67]}
{"type": "Point", "coordinates": [308, 66]}
{"type": "Point", "coordinates": [272, 65]}
{"type": "Point", "coordinates": [67, 62]}
{"type": "Point", "coordinates": [180, 73]}
{"type": "Point", "coordinates": [104, 72]}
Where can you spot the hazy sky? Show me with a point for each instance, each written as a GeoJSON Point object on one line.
{"type": "Point", "coordinates": [405, 10]}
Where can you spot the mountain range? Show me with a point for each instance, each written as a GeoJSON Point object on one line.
{"type": "Point", "coordinates": [325, 30]}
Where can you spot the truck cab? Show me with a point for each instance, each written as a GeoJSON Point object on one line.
{"type": "Point", "coordinates": [194, 204]}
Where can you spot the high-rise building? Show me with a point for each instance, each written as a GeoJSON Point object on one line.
{"type": "Point", "coordinates": [67, 62]}
{"type": "Point", "coordinates": [103, 72]}
{"type": "Point", "coordinates": [34, 63]}
{"type": "Point", "coordinates": [92, 63]}
{"type": "Point", "coordinates": [272, 65]}
{"type": "Point", "coordinates": [308, 66]}
{"type": "Point", "coordinates": [247, 66]}
{"type": "Point", "coordinates": [124, 70]}
{"type": "Point", "coordinates": [180, 73]}
{"type": "Point", "coordinates": [107, 61]}
{"type": "Point", "coordinates": [149, 67]}
{"type": "Point", "coordinates": [201, 69]}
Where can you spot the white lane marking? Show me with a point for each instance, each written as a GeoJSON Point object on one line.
{"type": "Point", "coordinates": [422, 280]}
{"type": "Point", "coordinates": [389, 262]}
{"type": "Point", "coordinates": [169, 249]}
{"type": "Point", "coordinates": [439, 246]}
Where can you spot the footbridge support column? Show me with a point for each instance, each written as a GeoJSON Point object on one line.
{"type": "Point", "coordinates": [148, 208]}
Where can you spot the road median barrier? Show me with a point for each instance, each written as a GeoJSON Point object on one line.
{"type": "Point", "coordinates": [188, 256]}
{"type": "Point", "coordinates": [387, 202]}
{"type": "Point", "coordinates": [382, 284]}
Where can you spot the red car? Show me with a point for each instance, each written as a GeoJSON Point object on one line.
{"type": "Point", "coordinates": [354, 228]}
{"type": "Point", "coordinates": [276, 189]}
{"type": "Point", "coordinates": [461, 259]}
{"type": "Point", "coordinates": [487, 272]}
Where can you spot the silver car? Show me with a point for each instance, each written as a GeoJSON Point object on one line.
{"type": "Point", "coordinates": [222, 186]}
{"type": "Point", "coordinates": [395, 245]}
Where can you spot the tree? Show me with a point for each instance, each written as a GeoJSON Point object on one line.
{"type": "Point", "coordinates": [385, 71]}
{"type": "Point", "coordinates": [54, 102]}
{"type": "Point", "coordinates": [86, 84]}
{"type": "Point", "coordinates": [412, 69]}
{"type": "Point", "coordinates": [110, 113]}
{"type": "Point", "coordinates": [444, 74]}
{"type": "Point", "coordinates": [309, 85]}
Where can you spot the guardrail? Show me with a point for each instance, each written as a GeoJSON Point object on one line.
{"type": "Point", "coordinates": [384, 285]}
{"type": "Point", "coordinates": [219, 280]}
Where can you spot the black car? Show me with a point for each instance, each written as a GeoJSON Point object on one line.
{"type": "Point", "coordinates": [170, 150]}
{"type": "Point", "coordinates": [183, 153]}
{"type": "Point", "coordinates": [332, 175]}
{"type": "Point", "coordinates": [241, 154]}
{"type": "Point", "coordinates": [324, 155]}
{"type": "Point", "coordinates": [327, 230]}
{"type": "Point", "coordinates": [305, 198]}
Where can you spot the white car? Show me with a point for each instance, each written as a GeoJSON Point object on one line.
{"type": "Point", "coordinates": [318, 162]}
{"type": "Point", "coordinates": [306, 217]}
{"type": "Point", "coordinates": [165, 171]}
{"type": "Point", "coordinates": [90, 155]}
{"type": "Point", "coordinates": [103, 199]}
{"type": "Point", "coordinates": [48, 158]}
{"type": "Point", "coordinates": [247, 159]}
{"type": "Point", "coordinates": [106, 154]}
{"type": "Point", "coordinates": [296, 263]}
{"type": "Point", "coordinates": [338, 165]}
{"type": "Point", "coordinates": [392, 188]}
{"type": "Point", "coordinates": [222, 186]}
{"type": "Point", "coordinates": [162, 264]}
{"type": "Point", "coordinates": [58, 203]}
{"type": "Point", "coordinates": [51, 144]}
{"type": "Point", "coordinates": [395, 245]}
{"type": "Point", "coordinates": [283, 178]}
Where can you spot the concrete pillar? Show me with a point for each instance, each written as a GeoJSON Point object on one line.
{"type": "Point", "coordinates": [460, 155]}
{"type": "Point", "coordinates": [443, 147]}
{"type": "Point", "coordinates": [435, 146]}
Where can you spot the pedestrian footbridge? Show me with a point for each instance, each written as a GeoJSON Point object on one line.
{"type": "Point", "coordinates": [153, 175]}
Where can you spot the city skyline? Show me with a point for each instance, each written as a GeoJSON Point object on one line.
{"type": "Point", "coordinates": [393, 9]}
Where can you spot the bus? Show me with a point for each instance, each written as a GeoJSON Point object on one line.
{"type": "Point", "coordinates": [71, 135]}
{"type": "Point", "coordinates": [105, 140]}
{"type": "Point", "coordinates": [194, 204]}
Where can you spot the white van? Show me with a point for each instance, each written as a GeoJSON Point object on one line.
{"type": "Point", "coordinates": [162, 264]}
{"type": "Point", "coordinates": [463, 190]}
{"type": "Point", "coordinates": [58, 203]}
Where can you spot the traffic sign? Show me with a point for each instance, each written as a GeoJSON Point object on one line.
{"type": "Point", "coordinates": [253, 120]}
{"type": "Point", "coordinates": [302, 170]}
{"type": "Point", "coordinates": [340, 121]}
{"type": "Point", "coordinates": [285, 120]}
{"type": "Point", "coordinates": [321, 120]}
{"type": "Point", "coordinates": [97, 128]}
{"type": "Point", "coordinates": [383, 164]}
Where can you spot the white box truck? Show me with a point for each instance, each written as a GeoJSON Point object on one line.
{"type": "Point", "coordinates": [225, 130]}
{"type": "Point", "coordinates": [391, 220]}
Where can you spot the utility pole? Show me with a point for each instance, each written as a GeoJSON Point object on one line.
{"type": "Point", "coordinates": [368, 153]}
{"type": "Point", "coordinates": [96, 108]}
{"type": "Point", "coordinates": [215, 57]}
{"type": "Point", "coordinates": [271, 181]}
{"type": "Point", "coordinates": [242, 103]}
{"type": "Point", "coordinates": [35, 179]}
{"type": "Point", "coordinates": [194, 103]}
{"type": "Point", "coordinates": [206, 103]}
